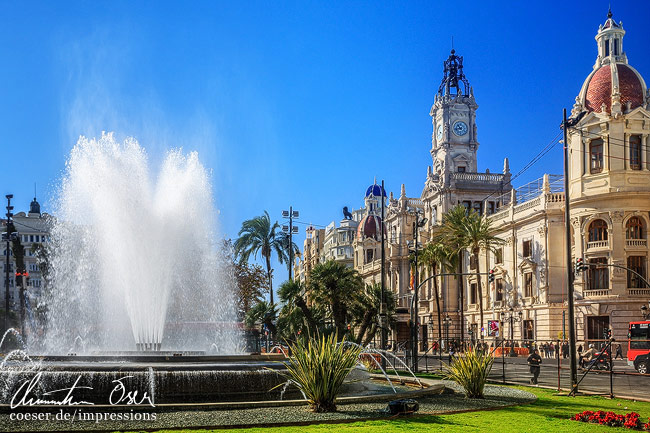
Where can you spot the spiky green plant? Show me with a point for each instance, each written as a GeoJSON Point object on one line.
{"type": "Point", "coordinates": [318, 367]}
{"type": "Point", "coordinates": [470, 371]}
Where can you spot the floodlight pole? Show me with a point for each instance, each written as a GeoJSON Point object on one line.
{"type": "Point", "coordinates": [569, 267]}
{"type": "Point", "coordinates": [382, 301]}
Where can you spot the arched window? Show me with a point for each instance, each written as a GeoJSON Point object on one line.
{"type": "Point", "coordinates": [634, 228]}
{"type": "Point", "coordinates": [596, 156]}
{"type": "Point", "coordinates": [598, 231]}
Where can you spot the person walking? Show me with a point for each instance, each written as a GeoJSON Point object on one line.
{"type": "Point", "coordinates": [534, 360]}
{"type": "Point", "coordinates": [619, 351]}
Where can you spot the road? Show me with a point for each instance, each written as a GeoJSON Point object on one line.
{"type": "Point", "coordinates": [626, 381]}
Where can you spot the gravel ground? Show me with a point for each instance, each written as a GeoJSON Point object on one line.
{"type": "Point", "coordinates": [496, 396]}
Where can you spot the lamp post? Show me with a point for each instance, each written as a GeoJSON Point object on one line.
{"type": "Point", "coordinates": [419, 223]}
{"type": "Point", "coordinates": [512, 317]}
{"type": "Point", "coordinates": [447, 322]}
{"type": "Point", "coordinates": [291, 214]}
{"type": "Point", "coordinates": [7, 236]}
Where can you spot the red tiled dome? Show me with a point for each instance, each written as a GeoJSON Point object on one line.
{"type": "Point", "coordinates": [369, 227]}
{"type": "Point", "coordinates": [599, 91]}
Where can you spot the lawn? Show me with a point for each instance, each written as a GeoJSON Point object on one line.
{"type": "Point", "coordinates": [550, 413]}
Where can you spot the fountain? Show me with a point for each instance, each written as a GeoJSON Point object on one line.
{"type": "Point", "coordinates": [141, 296]}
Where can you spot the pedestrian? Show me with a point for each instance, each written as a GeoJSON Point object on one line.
{"type": "Point", "coordinates": [619, 351]}
{"type": "Point", "coordinates": [534, 360]}
{"type": "Point", "coordinates": [551, 350]}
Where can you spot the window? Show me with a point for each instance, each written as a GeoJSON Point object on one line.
{"type": "Point", "coordinates": [528, 248]}
{"type": "Point", "coordinates": [616, 47]}
{"type": "Point", "coordinates": [636, 264]}
{"type": "Point", "coordinates": [369, 256]}
{"type": "Point", "coordinates": [529, 330]}
{"type": "Point", "coordinates": [596, 326]}
{"type": "Point", "coordinates": [498, 256]}
{"type": "Point", "coordinates": [528, 285]}
{"type": "Point", "coordinates": [491, 208]}
{"type": "Point", "coordinates": [598, 231]}
{"type": "Point", "coordinates": [461, 169]}
{"type": "Point", "coordinates": [596, 156]}
{"type": "Point", "coordinates": [598, 276]}
{"type": "Point", "coordinates": [478, 207]}
{"type": "Point", "coordinates": [31, 238]}
{"type": "Point", "coordinates": [468, 205]}
{"type": "Point", "coordinates": [498, 290]}
{"type": "Point", "coordinates": [634, 228]}
{"type": "Point", "coordinates": [472, 294]}
{"type": "Point", "coordinates": [635, 152]}
{"type": "Point", "coordinates": [607, 48]}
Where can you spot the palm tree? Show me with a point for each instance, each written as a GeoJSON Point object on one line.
{"type": "Point", "coordinates": [264, 313]}
{"type": "Point", "coordinates": [451, 234]}
{"type": "Point", "coordinates": [365, 312]}
{"type": "Point", "coordinates": [478, 235]}
{"type": "Point", "coordinates": [468, 230]}
{"type": "Point", "coordinates": [291, 293]}
{"type": "Point", "coordinates": [258, 235]}
{"type": "Point", "coordinates": [437, 256]}
{"type": "Point", "coordinates": [335, 285]}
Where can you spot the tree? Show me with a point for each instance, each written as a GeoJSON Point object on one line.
{"type": "Point", "coordinates": [468, 230]}
{"type": "Point", "coordinates": [292, 294]}
{"type": "Point", "coordinates": [18, 251]}
{"type": "Point", "coordinates": [258, 235]}
{"type": "Point", "coordinates": [451, 235]}
{"type": "Point", "coordinates": [335, 285]}
{"type": "Point", "coordinates": [439, 258]}
{"type": "Point", "coordinates": [478, 235]}
{"type": "Point", "coordinates": [365, 313]}
{"type": "Point", "coordinates": [264, 313]}
{"type": "Point", "coordinates": [251, 286]}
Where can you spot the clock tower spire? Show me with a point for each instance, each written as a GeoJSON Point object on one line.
{"type": "Point", "coordinates": [453, 114]}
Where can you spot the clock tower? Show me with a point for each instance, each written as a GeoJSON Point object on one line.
{"type": "Point", "coordinates": [453, 115]}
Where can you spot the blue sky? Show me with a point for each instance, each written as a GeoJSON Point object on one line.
{"type": "Point", "coordinates": [291, 103]}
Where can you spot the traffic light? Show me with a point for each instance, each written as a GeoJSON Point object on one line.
{"type": "Point", "coordinates": [19, 278]}
{"type": "Point", "coordinates": [607, 333]}
{"type": "Point", "coordinates": [580, 265]}
{"type": "Point", "coordinates": [491, 276]}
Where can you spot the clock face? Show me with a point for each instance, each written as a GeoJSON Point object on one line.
{"type": "Point", "coordinates": [460, 128]}
{"type": "Point", "coordinates": [439, 132]}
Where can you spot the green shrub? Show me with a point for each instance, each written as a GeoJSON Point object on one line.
{"type": "Point", "coordinates": [470, 371]}
{"type": "Point", "coordinates": [318, 367]}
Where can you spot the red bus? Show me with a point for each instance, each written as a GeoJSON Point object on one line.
{"type": "Point", "coordinates": [638, 346]}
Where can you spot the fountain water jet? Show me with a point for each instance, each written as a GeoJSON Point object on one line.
{"type": "Point", "coordinates": [133, 258]}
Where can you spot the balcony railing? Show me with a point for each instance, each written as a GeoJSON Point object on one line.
{"type": "Point", "coordinates": [597, 293]}
{"type": "Point", "coordinates": [598, 244]}
{"type": "Point", "coordinates": [638, 292]}
{"type": "Point", "coordinates": [478, 177]}
{"type": "Point", "coordinates": [636, 243]}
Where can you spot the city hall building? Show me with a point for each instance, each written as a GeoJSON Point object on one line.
{"type": "Point", "coordinates": [609, 191]}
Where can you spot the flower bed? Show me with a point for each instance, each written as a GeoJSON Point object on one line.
{"type": "Point", "coordinates": [630, 420]}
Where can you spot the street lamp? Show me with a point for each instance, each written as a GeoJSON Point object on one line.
{"type": "Point", "coordinates": [512, 317]}
{"type": "Point", "coordinates": [430, 323]}
{"type": "Point", "coordinates": [447, 322]}
{"type": "Point", "coordinates": [7, 236]}
{"type": "Point", "coordinates": [419, 223]}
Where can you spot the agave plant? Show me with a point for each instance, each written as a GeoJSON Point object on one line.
{"type": "Point", "coordinates": [470, 371]}
{"type": "Point", "coordinates": [318, 367]}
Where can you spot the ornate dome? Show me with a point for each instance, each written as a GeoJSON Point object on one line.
{"type": "Point", "coordinates": [617, 76]}
{"type": "Point", "coordinates": [369, 227]}
{"type": "Point", "coordinates": [613, 86]}
{"type": "Point", "coordinates": [375, 190]}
